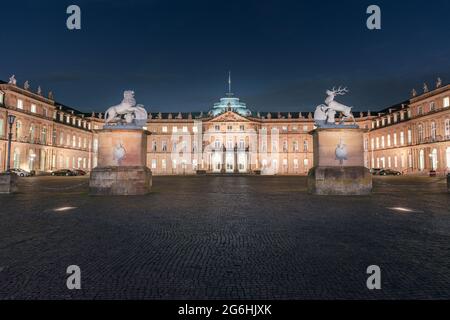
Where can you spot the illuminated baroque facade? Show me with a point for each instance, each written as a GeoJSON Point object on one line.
{"type": "Point", "coordinates": [412, 137]}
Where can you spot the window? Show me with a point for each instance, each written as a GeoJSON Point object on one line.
{"type": "Point", "coordinates": [295, 146]}
{"type": "Point", "coordinates": [433, 131]}
{"type": "Point", "coordinates": [305, 146]}
{"type": "Point", "coordinates": [185, 129]}
{"type": "Point", "coordinates": [230, 128]}
{"type": "Point", "coordinates": [409, 136]}
{"type": "Point", "coordinates": [19, 104]}
{"type": "Point", "coordinates": [295, 163]}
{"type": "Point", "coordinates": [154, 146]}
{"type": "Point", "coordinates": [447, 128]}
{"type": "Point", "coordinates": [174, 129]}
{"type": "Point", "coordinates": [402, 138]}
{"type": "Point", "coordinates": [395, 117]}
{"type": "Point", "coordinates": [33, 108]}
{"type": "Point", "coordinates": [241, 128]}
{"type": "Point", "coordinates": [432, 106]}
{"type": "Point", "coordinates": [305, 128]}
{"type": "Point", "coordinates": [388, 140]}
{"type": "Point", "coordinates": [164, 146]}
{"type": "Point", "coordinates": [377, 142]}
{"type": "Point", "coordinates": [241, 144]}
{"type": "Point", "coordinates": [420, 133]}
{"type": "Point", "coordinates": [74, 141]}
{"type": "Point", "coordinates": [285, 146]}
{"type": "Point", "coordinates": [217, 127]}
{"type": "Point", "coordinates": [164, 129]}
{"type": "Point", "coordinates": [284, 128]}
{"type": "Point", "coordinates": [79, 142]}
{"type": "Point", "coordinates": [194, 129]}
{"type": "Point", "coordinates": [446, 102]}
{"type": "Point", "coordinates": [372, 143]}
{"type": "Point", "coordinates": [382, 142]}
{"type": "Point", "coordinates": [163, 164]}
{"type": "Point", "coordinates": [419, 110]}
{"type": "Point", "coordinates": [395, 139]}
{"type": "Point", "coordinates": [305, 162]}
{"type": "Point", "coordinates": [44, 135]}
{"type": "Point", "coordinates": [1, 127]}
{"type": "Point", "coordinates": [421, 160]}
{"type": "Point", "coordinates": [32, 133]}
{"type": "Point", "coordinates": [153, 163]}
{"type": "Point", "coordinates": [61, 138]}
{"type": "Point", "coordinates": [217, 145]}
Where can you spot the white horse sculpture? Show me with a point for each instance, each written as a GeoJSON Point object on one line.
{"type": "Point", "coordinates": [129, 109]}
{"type": "Point", "coordinates": [338, 107]}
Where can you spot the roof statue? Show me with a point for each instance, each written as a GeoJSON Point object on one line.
{"type": "Point", "coordinates": [12, 80]}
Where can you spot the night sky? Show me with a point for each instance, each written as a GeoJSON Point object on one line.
{"type": "Point", "coordinates": [176, 55]}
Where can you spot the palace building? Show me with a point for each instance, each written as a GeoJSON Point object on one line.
{"type": "Point", "coordinates": [412, 137]}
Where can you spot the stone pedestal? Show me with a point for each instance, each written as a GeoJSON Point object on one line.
{"type": "Point", "coordinates": [8, 183]}
{"type": "Point", "coordinates": [122, 169]}
{"type": "Point", "coordinates": [339, 163]}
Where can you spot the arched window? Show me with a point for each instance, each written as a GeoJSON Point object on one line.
{"type": "Point", "coordinates": [18, 129]}
{"type": "Point", "coordinates": [434, 159]}
{"type": "Point", "coordinates": [420, 133]}
{"type": "Point", "coordinates": [421, 160]}
{"type": "Point", "coordinates": [44, 135]}
{"type": "Point", "coordinates": [433, 130]}
{"type": "Point", "coordinates": [447, 128]}
{"type": "Point", "coordinates": [16, 158]}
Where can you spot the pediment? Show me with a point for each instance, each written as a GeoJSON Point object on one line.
{"type": "Point", "coordinates": [229, 116]}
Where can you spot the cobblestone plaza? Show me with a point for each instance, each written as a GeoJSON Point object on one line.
{"type": "Point", "coordinates": [225, 237]}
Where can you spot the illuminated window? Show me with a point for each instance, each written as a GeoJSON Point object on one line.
{"type": "Point", "coordinates": [185, 129]}
{"type": "Point", "coordinates": [446, 102]}
{"type": "Point", "coordinates": [33, 108]}
{"type": "Point", "coordinates": [420, 133]}
{"type": "Point", "coordinates": [19, 104]}
{"type": "Point", "coordinates": [194, 129]}
{"type": "Point", "coordinates": [402, 138]}
{"type": "Point", "coordinates": [174, 129]}
{"type": "Point", "coordinates": [164, 129]}
{"type": "Point", "coordinates": [153, 163]}
{"type": "Point", "coordinates": [447, 128]}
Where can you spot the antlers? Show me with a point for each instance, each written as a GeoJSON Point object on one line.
{"type": "Point", "coordinates": [339, 91]}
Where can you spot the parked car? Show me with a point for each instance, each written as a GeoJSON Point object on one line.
{"type": "Point", "coordinates": [63, 172]}
{"type": "Point", "coordinates": [79, 172]}
{"type": "Point", "coordinates": [375, 171]}
{"type": "Point", "coordinates": [18, 172]}
{"type": "Point", "coordinates": [389, 172]}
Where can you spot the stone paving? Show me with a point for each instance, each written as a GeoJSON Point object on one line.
{"type": "Point", "coordinates": [243, 237]}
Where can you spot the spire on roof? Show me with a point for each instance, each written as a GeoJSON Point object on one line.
{"type": "Point", "coordinates": [229, 94]}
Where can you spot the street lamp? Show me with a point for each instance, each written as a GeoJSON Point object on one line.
{"type": "Point", "coordinates": [11, 119]}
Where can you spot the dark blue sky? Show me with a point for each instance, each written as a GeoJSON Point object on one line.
{"type": "Point", "coordinates": [176, 54]}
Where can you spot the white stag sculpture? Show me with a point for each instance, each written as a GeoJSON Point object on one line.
{"type": "Point", "coordinates": [339, 107]}
{"type": "Point", "coordinates": [128, 109]}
